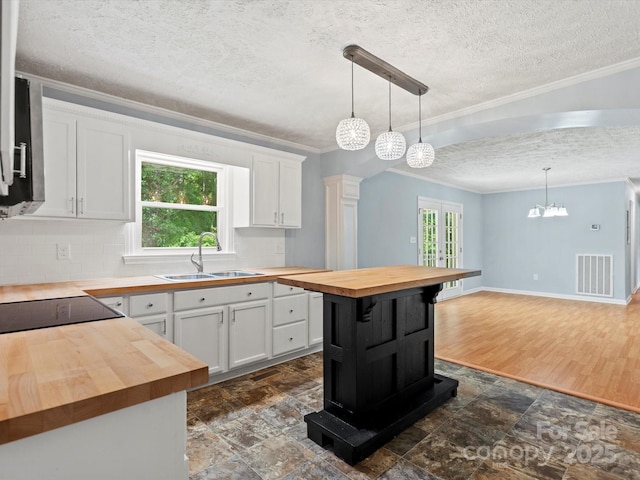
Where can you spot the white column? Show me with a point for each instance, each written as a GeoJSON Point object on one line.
{"type": "Point", "coordinates": [341, 194]}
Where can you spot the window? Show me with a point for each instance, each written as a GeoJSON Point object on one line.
{"type": "Point", "coordinates": [177, 200]}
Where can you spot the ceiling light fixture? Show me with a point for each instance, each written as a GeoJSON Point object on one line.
{"type": "Point", "coordinates": [390, 145]}
{"type": "Point", "coordinates": [420, 155]}
{"type": "Point", "coordinates": [549, 209]}
{"type": "Point", "coordinates": [352, 133]}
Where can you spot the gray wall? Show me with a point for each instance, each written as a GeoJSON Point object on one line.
{"type": "Point", "coordinates": [305, 247]}
{"type": "Point", "coordinates": [388, 216]}
{"type": "Point", "coordinates": [517, 247]}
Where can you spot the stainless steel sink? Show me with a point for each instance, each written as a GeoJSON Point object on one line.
{"type": "Point", "coordinates": [234, 273]}
{"type": "Point", "coordinates": [178, 277]}
{"type": "Point", "coordinates": [186, 276]}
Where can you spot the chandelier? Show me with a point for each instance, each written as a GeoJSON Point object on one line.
{"type": "Point", "coordinates": [548, 209]}
{"type": "Point", "coordinates": [390, 145]}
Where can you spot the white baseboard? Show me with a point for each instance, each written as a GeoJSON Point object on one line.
{"type": "Point", "coordinates": [579, 298]}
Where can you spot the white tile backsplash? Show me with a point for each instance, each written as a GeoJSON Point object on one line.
{"type": "Point", "coordinates": [28, 251]}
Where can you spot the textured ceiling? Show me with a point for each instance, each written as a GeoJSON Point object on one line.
{"type": "Point", "coordinates": [515, 162]}
{"type": "Point", "coordinates": [275, 67]}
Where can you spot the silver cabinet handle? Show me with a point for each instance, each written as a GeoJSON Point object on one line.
{"type": "Point", "coordinates": [291, 311]}
{"type": "Point", "coordinates": [275, 217]}
{"type": "Point", "coordinates": [291, 339]}
{"type": "Point", "coordinates": [202, 299]}
{"type": "Point", "coordinates": [73, 205]}
{"type": "Point", "coordinates": [23, 160]}
{"type": "Point", "coordinates": [222, 318]}
{"type": "Point", "coordinates": [282, 218]}
{"type": "Point", "coordinates": [164, 327]}
{"type": "Point", "coordinates": [149, 305]}
{"type": "Point", "coordinates": [249, 294]}
{"type": "Point", "coordinates": [118, 304]}
{"type": "Point", "coordinates": [82, 206]}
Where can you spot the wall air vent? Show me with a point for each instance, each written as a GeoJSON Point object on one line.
{"type": "Point", "coordinates": [594, 275]}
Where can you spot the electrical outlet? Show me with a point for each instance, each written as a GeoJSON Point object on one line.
{"type": "Point", "coordinates": [280, 248]}
{"type": "Point", "coordinates": [412, 239]}
{"type": "Point", "coordinates": [64, 251]}
{"type": "Point", "coordinates": [535, 276]}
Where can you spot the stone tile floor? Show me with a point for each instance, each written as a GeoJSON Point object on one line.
{"type": "Point", "coordinates": [252, 427]}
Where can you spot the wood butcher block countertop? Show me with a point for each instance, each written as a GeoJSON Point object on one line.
{"type": "Point", "coordinates": [373, 281]}
{"type": "Point", "coordinates": [57, 376]}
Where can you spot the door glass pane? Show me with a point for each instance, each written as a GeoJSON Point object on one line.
{"type": "Point", "coordinates": [429, 237]}
{"type": "Point", "coordinates": [451, 247]}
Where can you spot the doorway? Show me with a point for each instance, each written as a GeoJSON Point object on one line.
{"type": "Point", "coordinates": [440, 239]}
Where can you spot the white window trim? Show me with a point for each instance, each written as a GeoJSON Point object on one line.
{"type": "Point", "coordinates": [138, 255]}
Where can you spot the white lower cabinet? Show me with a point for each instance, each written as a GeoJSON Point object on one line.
{"type": "Point", "coordinates": [152, 311]}
{"type": "Point", "coordinates": [156, 323]}
{"type": "Point", "coordinates": [316, 301]}
{"type": "Point", "coordinates": [203, 333]}
{"type": "Point", "coordinates": [249, 333]}
{"type": "Point", "coordinates": [229, 327]}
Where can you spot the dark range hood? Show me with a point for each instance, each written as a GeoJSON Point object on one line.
{"type": "Point", "coordinates": [26, 192]}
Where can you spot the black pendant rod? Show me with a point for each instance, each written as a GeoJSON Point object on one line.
{"type": "Point", "coordinates": [383, 69]}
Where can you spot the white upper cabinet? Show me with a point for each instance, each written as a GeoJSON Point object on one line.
{"type": "Point", "coordinates": [275, 192]}
{"type": "Point", "coordinates": [87, 167]}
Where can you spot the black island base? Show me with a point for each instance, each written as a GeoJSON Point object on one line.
{"type": "Point", "coordinates": [378, 370]}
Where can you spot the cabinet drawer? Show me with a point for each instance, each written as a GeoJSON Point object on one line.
{"type": "Point", "coordinates": [147, 304]}
{"type": "Point", "coordinates": [280, 290]}
{"type": "Point", "coordinates": [117, 303]}
{"type": "Point", "coordinates": [289, 337]}
{"type": "Point", "coordinates": [208, 297]}
{"type": "Point", "coordinates": [290, 309]}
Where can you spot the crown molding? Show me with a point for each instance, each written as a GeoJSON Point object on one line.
{"type": "Point", "coordinates": [163, 112]}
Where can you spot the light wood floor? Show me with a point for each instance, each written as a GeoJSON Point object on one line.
{"type": "Point", "coordinates": [591, 350]}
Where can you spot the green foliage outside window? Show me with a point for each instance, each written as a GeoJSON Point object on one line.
{"type": "Point", "coordinates": [184, 191]}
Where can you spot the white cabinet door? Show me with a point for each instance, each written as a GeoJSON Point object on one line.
{"type": "Point", "coordinates": [265, 191]}
{"type": "Point", "coordinates": [276, 192]}
{"type": "Point", "coordinates": [249, 333]}
{"type": "Point", "coordinates": [87, 167]}
{"type": "Point", "coordinates": [315, 317]}
{"type": "Point", "coordinates": [59, 143]}
{"type": "Point", "coordinates": [158, 324]}
{"type": "Point", "coordinates": [203, 333]}
{"type": "Point", "coordinates": [103, 170]}
{"type": "Point", "coordinates": [290, 190]}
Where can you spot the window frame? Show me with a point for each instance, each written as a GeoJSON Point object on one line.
{"type": "Point", "coordinates": [222, 201]}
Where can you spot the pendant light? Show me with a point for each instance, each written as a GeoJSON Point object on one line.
{"type": "Point", "coordinates": [352, 133]}
{"type": "Point", "coordinates": [548, 209]}
{"type": "Point", "coordinates": [390, 145]}
{"type": "Point", "coordinates": [420, 155]}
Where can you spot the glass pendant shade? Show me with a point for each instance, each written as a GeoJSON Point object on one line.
{"type": "Point", "coordinates": [420, 155]}
{"type": "Point", "coordinates": [534, 212]}
{"type": "Point", "coordinates": [390, 145]}
{"type": "Point", "coordinates": [353, 134]}
{"type": "Point", "coordinates": [562, 212]}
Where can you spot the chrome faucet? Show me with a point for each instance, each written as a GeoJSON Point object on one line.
{"type": "Point", "coordinates": [199, 264]}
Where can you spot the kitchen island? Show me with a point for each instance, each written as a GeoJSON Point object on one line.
{"type": "Point", "coordinates": [378, 354]}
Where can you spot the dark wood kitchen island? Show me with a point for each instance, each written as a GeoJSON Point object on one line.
{"type": "Point", "coordinates": [378, 354]}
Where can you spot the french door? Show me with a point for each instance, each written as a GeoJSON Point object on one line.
{"type": "Point", "coordinates": [440, 239]}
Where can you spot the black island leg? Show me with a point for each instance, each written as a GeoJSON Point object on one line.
{"type": "Point", "coordinates": [379, 374]}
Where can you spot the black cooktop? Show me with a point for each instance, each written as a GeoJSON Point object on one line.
{"type": "Point", "coordinates": [19, 316]}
